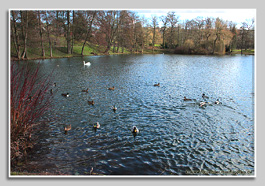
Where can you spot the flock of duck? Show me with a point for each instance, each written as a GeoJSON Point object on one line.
{"type": "Point", "coordinates": [134, 129]}
{"type": "Point", "coordinates": [203, 103]}
{"type": "Point", "coordinates": [96, 126]}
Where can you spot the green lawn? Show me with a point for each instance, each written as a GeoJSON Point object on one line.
{"type": "Point", "coordinates": [249, 51]}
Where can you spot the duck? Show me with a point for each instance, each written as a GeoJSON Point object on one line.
{"type": "Point", "coordinates": [66, 95]}
{"type": "Point", "coordinates": [87, 63]}
{"type": "Point", "coordinates": [96, 125]}
{"type": "Point", "coordinates": [203, 103]}
{"type": "Point", "coordinates": [86, 90]}
{"type": "Point", "coordinates": [91, 102]}
{"type": "Point", "coordinates": [204, 96]}
{"type": "Point", "coordinates": [114, 108]}
{"type": "Point", "coordinates": [111, 88]}
{"type": "Point", "coordinates": [135, 130]}
{"type": "Point", "coordinates": [157, 85]}
{"type": "Point", "coordinates": [67, 128]}
{"type": "Point", "coordinates": [186, 99]}
{"type": "Point", "coordinates": [217, 102]}
{"type": "Point", "coordinates": [54, 84]}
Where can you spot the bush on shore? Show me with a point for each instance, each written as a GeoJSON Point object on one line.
{"type": "Point", "coordinates": [29, 99]}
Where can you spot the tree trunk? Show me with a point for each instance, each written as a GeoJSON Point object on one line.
{"type": "Point", "coordinates": [68, 38]}
{"type": "Point", "coordinates": [108, 47]}
{"type": "Point", "coordinates": [48, 34]}
{"type": "Point", "coordinates": [57, 26]}
{"type": "Point", "coordinates": [164, 38]}
{"type": "Point", "coordinates": [113, 49]}
{"type": "Point", "coordinates": [15, 35]}
{"type": "Point", "coordinates": [118, 47]}
{"type": "Point", "coordinates": [88, 33]}
{"type": "Point", "coordinates": [214, 44]}
{"type": "Point", "coordinates": [24, 33]}
{"type": "Point", "coordinates": [153, 43]}
{"type": "Point", "coordinates": [142, 46]}
{"type": "Point", "coordinates": [73, 27]}
{"type": "Point", "coordinates": [154, 36]}
{"type": "Point", "coordinates": [242, 41]}
{"type": "Point", "coordinates": [41, 38]}
{"type": "Point", "coordinates": [112, 31]}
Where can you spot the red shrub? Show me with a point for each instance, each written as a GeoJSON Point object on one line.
{"type": "Point", "coordinates": [29, 99]}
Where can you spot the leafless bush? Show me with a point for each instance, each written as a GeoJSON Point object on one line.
{"type": "Point", "coordinates": [29, 99]}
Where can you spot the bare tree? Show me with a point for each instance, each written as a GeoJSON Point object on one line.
{"type": "Point", "coordinates": [173, 20]}
{"type": "Point", "coordinates": [48, 16]}
{"type": "Point", "coordinates": [246, 34]}
{"type": "Point", "coordinates": [24, 27]}
{"type": "Point", "coordinates": [41, 34]}
{"type": "Point", "coordinates": [164, 20]}
{"type": "Point", "coordinates": [199, 24]}
{"type": "Point", "coordinates": [68, 32]}
{"type": "Point", "coordinates": [90, 15]}
{"type": "Point", "coordinates": [154, 26]}
{"type": "Point", "coordinates": [219, 26]}
{"type": "Point", "coordinates": [108, 26]}
{"type": "Point", "coordinates": [73, 33]}
{"type": "Point", "coordinates": [14, 34]}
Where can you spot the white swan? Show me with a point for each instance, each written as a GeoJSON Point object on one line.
{"type": "Point", "coordinates": [87, 63]}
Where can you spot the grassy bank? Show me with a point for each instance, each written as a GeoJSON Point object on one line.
{"type": "Point", "coordinates": [246, 52]}
{"type": "Point", "coordinates": [61, 51]}
{"type": "Point", "coordinates": [91, 50]}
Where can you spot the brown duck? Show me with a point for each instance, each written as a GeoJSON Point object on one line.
{"type": "Point", "coordinates": [186, 99]}
{"type": "Point", "coordinates": [86, 90]}
{"type": "Point", "coordinates": [67, 128]}
{"type": "Point", "coordinates": [91, 102]}
{"type": "Point", "coordinates": [111, 88]}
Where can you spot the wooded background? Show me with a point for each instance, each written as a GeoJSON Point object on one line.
{"type": "Point", "coordinates": [60, 33]}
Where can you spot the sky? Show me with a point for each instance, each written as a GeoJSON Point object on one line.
{"type": "Point", "coordinates": [235, 15]}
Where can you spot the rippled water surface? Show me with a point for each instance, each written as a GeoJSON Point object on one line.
{"type": "Point", "coordinates": [176, 137]}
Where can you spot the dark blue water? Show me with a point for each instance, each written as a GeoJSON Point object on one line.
{"type": "Point", "coordinates": [176, 137]}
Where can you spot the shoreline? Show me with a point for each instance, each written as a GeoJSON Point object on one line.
{"type": "Point", "coordinates": [161, 51]}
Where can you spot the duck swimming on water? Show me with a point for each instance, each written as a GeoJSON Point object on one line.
{"type": "Point", "coordinates": [91, 102]}
{"type": "Point", "coordinates": [186, 99]}
{"type": "Point", "coordinates": [111, 88]}
{"type": "Point", "coordinates": [66, 95]}
{"type": "Point", "coordinates": [114, 108]}
{"type": "Point", "coordinates": [217, 102]}
{"type": "Point", "coordinates": [204, 96]}
{"type": "Point", "coordinates": [135, 130]}
{"type": "Point", "coordinates": [202, 104]}
{"type": "Point", "coordinates": [86, 90]}
{"type": "Point", "coordinates": [67, 128]}
{"type": "Point", "coordinates": [96, 125]}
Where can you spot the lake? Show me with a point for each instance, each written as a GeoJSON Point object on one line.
{"type": "Point", "coordinates": [176, 137]}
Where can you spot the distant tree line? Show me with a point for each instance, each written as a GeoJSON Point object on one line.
{"type": "Point", "coordinates": [117, 30]}
{"type": "Point", "coordinates": [205, 35]}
